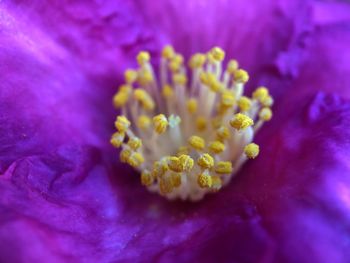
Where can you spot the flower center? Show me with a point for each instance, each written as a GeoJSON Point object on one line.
{"type": "Point", "coordinates": [188, 138]}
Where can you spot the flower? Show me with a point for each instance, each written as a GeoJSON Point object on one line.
{"type": "Point", "coordinates": [66, 198]}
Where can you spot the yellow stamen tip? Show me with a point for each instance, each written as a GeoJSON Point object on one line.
{"type": "Point", "coordinates": [122, 96]}
{"type": "Point", "coordinates": [218, 54]}
{"type": "Point", "coordinates": [223, 167]}
{"type": "Point", "coordinates": [251, 150]}
{"type": "Point", "coordinates": [197, 61]}
{"type": "Point", "coordinates": [265, 114]}
{"type": "Point", "coordinates": [165, 186]}
{"type": "Point", "coordinates": [135, 143]}
{"type": "Point", "coordinates": [167, 91]}
{"type": "Point", "coordinates": [267, 101]}
{"type": "Point", "coordinates": [143, 57]}
{"type": "Point", "coordinates": [175, 179]}
{"type": "Point", "coordinates": [204, 180]}
{"type": "Point", "coordinates": [122, 124]}
{"type": "Point", "coordinates": [196, 142]}
{"type": "Point", "coordinates": [216, 147]}
{"type": "Point", "coordinates": [160, 123]}
{"type": "Point", "coordinates": [146, 178]}
{"type": "Point", "coordinates": [201, 124]}
{"type": "Point", "coordinates": [135, 159]}
{"type": "Point", "coordinates": [223, 133]}
{"type": "Point", "coordinates": [117, 139]}
{"type": "Point", "coordinates": [205, 161]}
{"type": "Point", "coordinates": [143, 122]}
{"type": "Point", "coordinates": [241, 76]}
{"type": "Point", "coordinates": [232, 66]}
{"type": "Point", "coordinates": [227, 99]}
{"type": "Point", "coordinates": [180, 79]}
{"type": "Point", "coordinates": [168, 52]}
{"type": "Point", "coordinates": [192, 105]}
{"type": "Point", "coordinates": [261, 94]}
{"type": "Point", "coordinates": [244, 104]}
{"type": "Point", "coordinates": [241, 121]}
{"type": "Point", "coordinates": [130, 76]}
{"type": "Point", "coordinates": [124, 155]}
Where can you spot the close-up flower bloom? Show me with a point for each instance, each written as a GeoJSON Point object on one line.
{"type": "Point", "coordinates": [209, 167]}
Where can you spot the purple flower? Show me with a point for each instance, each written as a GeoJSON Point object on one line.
{"type": "Point", "coordinates": [65, 197]}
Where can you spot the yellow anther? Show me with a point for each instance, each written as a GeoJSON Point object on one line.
{"type": "Point", "coordinates": [160, 123]}
{"type": "Point", "coordinates": [117, 139]}
{"type": "Point", "coordinates": [168, 52]}
{"type": "Point", "coordinates": [265, 114]}
{"type": "Point", "coordinates": [146, 178]}
{"type": "Point", "coordinates": [244, 104]}
{"type": "Point", "coordinates": [210, 58]}
{"type": "Point", "coordinates": [144, 77]}
{"type": "Point", "coordinates": [218, 53]}
{"type": "Point", "coordinates": [205, 161]}
{"type": "Point", "coordinates": [122, 123]}
{"type": "Point", "coordinates": [186, 162]}
{"type": "Point", "coordinates": [143, 57]}
{"type": "Point", "coordinates": [241, 121]}
{"type": "Point", "coordinates": [241, 76]}
{"type": "Point", "coordinates": [227, 99]}
{"type": "Point", "coordinates": [251, 150]}
{"type": "Point", "coordinates": [216, 121]}
{"type": "Point", "coordinates": [122, 96]}
{"type": "Point", "coordinates": [143, 122]}
{"type": "Point", "coordinates": [201, 123]}
{"type": "Point", "coordinates": [135, 159]}
{"type": "Point", "coordinates": [216, 147]}
{"type": "Point", "coordinates": [159, 169]}
{"type": "Point", "coordinates": [267, 101]}
{"type": "Point", "coordinates": [197, 61]}
{"type": "Point", "coordinates": [192, 105]}
{"type": "Point", "coordinates": [135, 143]}
{"type": "Point", "coordinates": [232, 66]}
{"type": "Point", "coordinates": [261, 94]}
{"type": "Point", "coordinates": [223, 133]}
{"type": "Point", "coordinates": [196, 142]}
{"type": "Point", "coordinates": [130, 76]}
{"type": "Point", "coordinates": [204, 180]}
{"type": "Point", "coordinates": [176, 63]}
{"type": "Point", "coordinates": [167, 91]}
{"type": "Point", "coordinates": [182, 150]}
{"type": "Point", "coordinates": [204, 78]}
{"type": "Point", "coordinates": [175, 164]}
{"type": "Point", "coordinates": [216, 183]}
{"type": "Point", "coordinates": [175, 179]}
{"type": "Point", "coordinates": [144, 98]}
{"type": "Point", "coordinates": [180, 79]}
{"type": "Point", "coordinates": [212, 82]}
{"type": "Point", "coordinates": [223, 168]}
{"type": "Point", "coordinates": [165, 186]}
{"type": "Point", "coordinates": [124, 155]}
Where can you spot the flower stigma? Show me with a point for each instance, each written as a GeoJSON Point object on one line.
{"type": "Point", "coordinates": [188, 137]}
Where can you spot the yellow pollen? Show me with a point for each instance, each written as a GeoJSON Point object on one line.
{"type": "Point", "coordinates": [180, 79]}
{"type": "Point", "coordinates": [183, 126]}
{"type": "Point", "coordinates": [251, 150]}
{"type": "Point", "coordinates": [218, 54]}
{"type": "Point", "coordinates": [201, 123]}
{"type": "Point", "coordinates": [216, 147]}
{"type": "Point", "coordinates": [197, 61]}
{"type": "Point", "coordinates": [167, 91]}
{"type": "Point", "coordinates": [122, 124]}
{"type": "Point", "coordinates": [196, 142]}
{"type": "Point", "coordinates": [143, 122]}
{"type": "Point", "coordinates": [232, 66]}
{"type": "Point", "coordinates": [168, 52]}
{"type": "Point", "coordinates": [205, 161]}
{"type": "Point", "coordinates": [160, 123]}
{"type": "Point", "coordinates": [244, 104]}
{"type": "Point", "coordinates": [192, 105]}
{"type": "Point", "coordinates": [241, 76]}
{"type": "Point", "coordinates": [135, 143]}
{"type": "Point", "coordinates": [265, 114]}
{"type": "Point", "coordinates": [204, 180]}
{"type": "Point", "coordinates": [223, 168]}
{"type": "Point", "coordinates": [117, 139]}
{"type": "Point", "coordinates": [130, 76]}
{"type": "Point", "coordinates": [146, 178]}
{"type": "Point", "coordinates": [143, 57]}
{"type": "Point", "coordinates": [261, 94]}
{"type": "Point", "coordinates": [241, 121]}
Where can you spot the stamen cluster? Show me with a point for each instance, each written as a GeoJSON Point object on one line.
{"type": "Point", "coordinates": [188, 138]}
